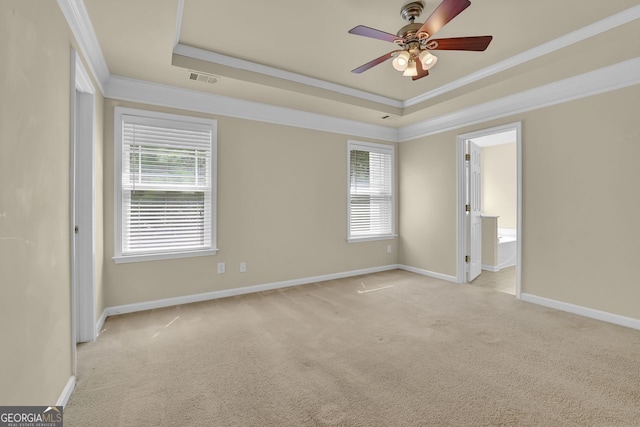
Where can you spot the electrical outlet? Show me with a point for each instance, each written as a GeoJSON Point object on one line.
{"type": "Point", "coordinates": [243, 267]}
{"type": "Point", "coordinates": [220, 267]}
{"type": "Point", "coordinates": [388, 249]}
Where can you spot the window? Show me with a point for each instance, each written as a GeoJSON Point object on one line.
{"type": "Point", "coordinates": [165, 181]}
{"type": "Point", "coordinates": [371, 204]}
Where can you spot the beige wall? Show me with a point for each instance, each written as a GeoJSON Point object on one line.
{"type": "Point", "coordinates": [427, 208]}
{"type": "Point", "coordinates": [580, 229]}
{"type": "Point", "coordinates": [580, 221]}
{"type": "Point", "coordinates": [35, 307]}
{"type": "Point", "coordinates": [282, 194]}
{"type": "Point", "coordinates": [500, 184]}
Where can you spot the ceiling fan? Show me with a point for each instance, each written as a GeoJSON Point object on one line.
{"type": "Point", "coordinates": [413, 57]}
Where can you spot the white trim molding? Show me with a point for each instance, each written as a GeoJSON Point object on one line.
{"type": "Point", "coordinates": [124, 259]}
{"type": "Point", "coordinates": [613, 77]}
{"type": "Point", "coordinates": [617, 319]}
{"type": "Point", "coordinates": [428, 273]}
{"type": "Point", "coordinates": [609, 78]}
{"type": "Point", "coordinates": [83, 203]}
{"type": "Point", "coordinates": [176, 37]}
{"type": "Point", "coordinates": [491, 268]}
{"type": "Point", "coordinates": [66, 392]}
{"type": "Point", "coordinates": [78, 20]}
{"type": "Point", "coordinates": [127, 89]}
{"type": "Point", "coordinates": [576, 36]}
{"type": "Point", "coordinates": [187, 299]}
{"type": "Point", "coordinates": [83, 82]}
{"type": "Point", "coordinates": [80, 24]}
{"type": "Point", "coordinates": [241, 64]}
{"type": "Point", "coordinates": [584, 33]}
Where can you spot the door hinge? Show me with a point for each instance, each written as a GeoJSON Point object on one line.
{"type": "Point", "coordinates": [76, 229]}
{"type": "Point", "coordinates": [467, 258]}
{"type": "Point", "coordinates": [467, 208]}
{"type": "Point", "coordinates": [467, 157]}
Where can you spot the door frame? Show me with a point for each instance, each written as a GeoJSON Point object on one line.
{"type": "Point", "coordinates": [474, 217]}
{"type": "Point", "coordinates": [83, 206]}
{"type": "Point", "coordinates": [462, 188]}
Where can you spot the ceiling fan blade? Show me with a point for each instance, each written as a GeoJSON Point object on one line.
{"type": "Point", "coordinates": [445, 12]}
{"type": "Point", "coordinates": [361, 30]}
{"type": "Point", "coordinates": [478, 43]}
{"type": "Point", "coordinates": [421, 72]}
{"type": "Point", "coordinates": [373, 63]}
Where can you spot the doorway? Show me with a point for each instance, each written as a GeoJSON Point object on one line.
{"type": "Point", "coordinates": [469, 208]}
{"type": "Point", "coordinates": [83, 206]}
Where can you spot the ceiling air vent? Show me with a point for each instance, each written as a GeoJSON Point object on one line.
{"type": "Point", "coordinates": [203, 77]}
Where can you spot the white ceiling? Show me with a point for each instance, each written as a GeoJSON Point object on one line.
{"type": "Point", "coordinates": [298, 54]}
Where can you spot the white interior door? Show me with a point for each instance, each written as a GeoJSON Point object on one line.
{"type": "Point", "coordinates": [464, 190]}
{"type": "Point", "coordinates": [475, 220]}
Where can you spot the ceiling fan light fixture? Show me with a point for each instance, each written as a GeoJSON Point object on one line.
{"type": "Point", "coordinates": [413, 41]}
{"type": "Point", "coordinates": [401, 61]}
{"type": "Point", "coordinates": [427, 59]}
{"type": "Point", "coordinates": [411, 70]}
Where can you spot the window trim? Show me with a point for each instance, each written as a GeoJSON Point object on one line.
{"type": "Point", "coordinates": [379, 148]}
{"type": "Point", "coordinates": [119, 258]}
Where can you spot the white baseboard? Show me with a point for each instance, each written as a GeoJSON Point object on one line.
{"type": "Point", "coordinates": [168, 302]}
{"type": "Point", "coordinates": [433, 274]}
{"type": "Point", "coordinates": [583, 311]}
{"type": "Point", "coordinates": [66, 392]}
{"type": "Point", "coordinates": [506, 265]}
{"type": "Point", "coordinates": [492, 268]}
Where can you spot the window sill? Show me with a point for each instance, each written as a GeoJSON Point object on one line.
{"type": "Point", "coordinates": [371, 238]}
{"type": "Point", "coordinates": [123, 259]}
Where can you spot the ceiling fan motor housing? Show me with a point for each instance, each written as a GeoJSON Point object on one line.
{"type": "Point", "coordinates": [411, 11]}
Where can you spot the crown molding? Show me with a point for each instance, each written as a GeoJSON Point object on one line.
{"type": "Point", "coordinates": [241, 64]}
{"type": "Point", "coordinates": [617, 76]}
{"type": "Point", "coordinates": [126, 89]}
{"type": "Point", "coordinates": [80, 24]}
{"type": "Point", "coordinates": [176, 37]}
{"type": "Point", "coordinates": [591, 30]}
{"type": "Point", "coordinates": [576, 36]}
{"type": "Point", "coordinates": [613, 77]}
{"type": "Point", "coordinates": [605, 79]}
{"type": "Point", "coordinates": [236, 63]}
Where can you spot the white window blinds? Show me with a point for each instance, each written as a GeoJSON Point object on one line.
{"type": "Point", "coordinates": [371, 203]}
{"type": "Point", "coordinates": [166, 186]}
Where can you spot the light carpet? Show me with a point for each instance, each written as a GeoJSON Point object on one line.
{"type": "Point", "coordinates": [387, 349]}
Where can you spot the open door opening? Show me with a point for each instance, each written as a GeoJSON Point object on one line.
{"type": "Point", "coordinates": [83, 207]}
{"type": "Point", "coordinates": [486, 242]}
